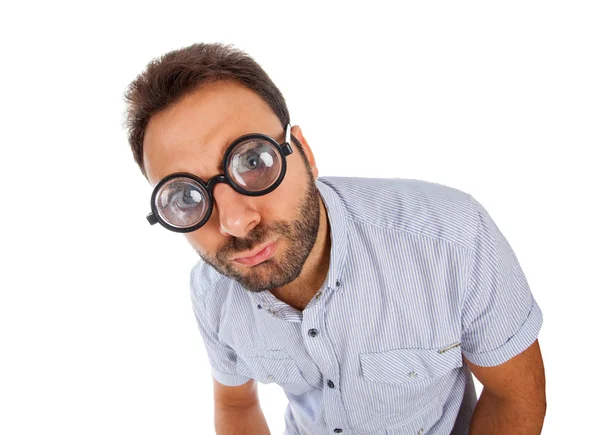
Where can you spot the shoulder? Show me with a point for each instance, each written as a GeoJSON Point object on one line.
{"type": "Point", "coordinates": [413, 206]}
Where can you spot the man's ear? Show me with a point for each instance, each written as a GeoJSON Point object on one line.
{"type": "Point", "coordinates": [297, 132]}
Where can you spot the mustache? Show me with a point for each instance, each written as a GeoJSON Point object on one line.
{"type": "Point", "coordinates": [256, 237]}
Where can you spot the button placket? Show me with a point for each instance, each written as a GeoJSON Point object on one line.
{"type": "Point", "coordinates": [322, 354]}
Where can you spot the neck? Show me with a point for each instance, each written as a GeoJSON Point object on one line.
{"type": "Point", "coordinates": [300, 291]}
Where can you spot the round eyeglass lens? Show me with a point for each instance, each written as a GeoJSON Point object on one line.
{"type": "Point", "coordinates": [254, 164]}
{"type": "Point", "coordinates": [182, 202]}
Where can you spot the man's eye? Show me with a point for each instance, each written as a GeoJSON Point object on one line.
{"type": "Point", "coordinates": [185, 198]}
{"type": "Point", "coordinates": [192, 196]}
{"type": "Point", "coordinates": [251, 160]}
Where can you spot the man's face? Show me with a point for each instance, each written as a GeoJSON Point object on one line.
{"type": "Point", "coordinates": [192, 136]}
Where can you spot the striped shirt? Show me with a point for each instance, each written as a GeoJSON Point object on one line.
{"type": "Point", "coordinates": [419, 276]}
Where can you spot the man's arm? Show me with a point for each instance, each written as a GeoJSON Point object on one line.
{"type": "Point", "coordinates": [237, 410]}
{"type": "Point", "coordinates": [513, 400]}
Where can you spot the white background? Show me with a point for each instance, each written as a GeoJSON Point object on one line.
{"type": "Point", "coordinates": [97, 334]}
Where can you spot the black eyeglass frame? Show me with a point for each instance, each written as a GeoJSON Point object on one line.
{"type": "Point", "coordinates": [284, 149]}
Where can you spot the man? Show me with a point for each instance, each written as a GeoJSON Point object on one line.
{"type": "Point", "coordinates": [370, 301]}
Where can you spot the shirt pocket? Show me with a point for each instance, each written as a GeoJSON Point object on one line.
{"type": "Point", "coordinates": [421, 423]}
{"type": "Point", "coordinates": [401, 382]}
{"type": "Point", "coordinates": [272, 366]}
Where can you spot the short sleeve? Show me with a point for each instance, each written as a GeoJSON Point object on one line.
{"type": "Point", "coordinates": [500, 317]}
{"type": "Point", "coordinates": [221, 357]}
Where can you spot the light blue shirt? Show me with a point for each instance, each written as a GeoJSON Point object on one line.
{"type": "Point", "coordinates": [419, 276]}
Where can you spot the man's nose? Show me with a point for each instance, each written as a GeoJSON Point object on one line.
{"type": "Point", "coordinates": [236, 217]}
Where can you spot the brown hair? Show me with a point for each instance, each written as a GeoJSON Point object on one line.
{"type": "Point", "coordinates": [171, 76]}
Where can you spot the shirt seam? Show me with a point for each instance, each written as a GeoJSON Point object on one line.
{"type": "Point", "coordinates": [469, 274]}
{"type": "Point", "coordinates": [400, 230]}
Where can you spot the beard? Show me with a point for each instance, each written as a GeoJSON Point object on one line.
{"type": "Point", "coordinates": [300, 234]}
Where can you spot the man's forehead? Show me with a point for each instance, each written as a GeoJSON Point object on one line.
{"type": "Point", "coordinates": [192, 135]}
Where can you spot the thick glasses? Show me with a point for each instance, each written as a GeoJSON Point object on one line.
{"type": "Point", "coordinates": [254, 164]}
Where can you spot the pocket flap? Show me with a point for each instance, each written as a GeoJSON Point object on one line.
{"type": "Point", "coordinates": [267, 366]}
{"type": "Point", "coordinates": [409, 365]}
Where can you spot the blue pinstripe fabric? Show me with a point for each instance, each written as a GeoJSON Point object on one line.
{"type": "Point", "coordinates": [419, 275]}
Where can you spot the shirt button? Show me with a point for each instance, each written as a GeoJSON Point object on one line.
{"type": "Point", "coordinates": [337, 430]}
{"type": "Point", "coordinates": [259, 306]}
{"type": "Point", "coordinates": [338, 283]}
{"type": "Point", "coordinates": [313, 332]}
{"type": "Point", "coordinates": [330, 384]}
{"type": "Point", "coordinates": [420, 431]}
{"type": "Point", "coordinates": [412, 374]}
{"type": "Point", "coordinates": [318, 295]}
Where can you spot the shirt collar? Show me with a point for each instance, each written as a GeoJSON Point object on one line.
{"type": "Point", "coordinates": [336, 215]}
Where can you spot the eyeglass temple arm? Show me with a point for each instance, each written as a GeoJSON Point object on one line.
{"type": "Point", "coordinates": [151, 218]}
{"type": "Point", "coordinates": [287, 146]}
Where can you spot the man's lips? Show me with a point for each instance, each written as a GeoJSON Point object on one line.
{"type": "Point", "coordinates": [259, 255]}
